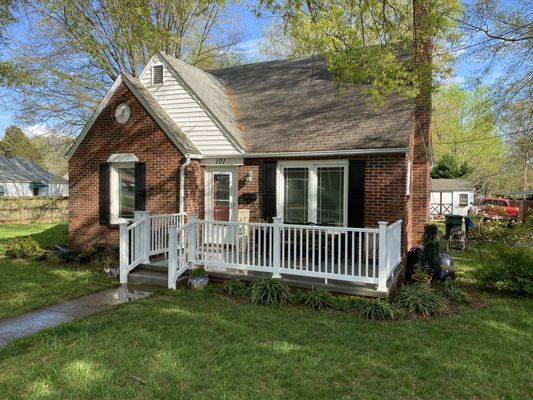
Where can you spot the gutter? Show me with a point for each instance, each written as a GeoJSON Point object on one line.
{"type": "Point", "coordinates": [182, 183]}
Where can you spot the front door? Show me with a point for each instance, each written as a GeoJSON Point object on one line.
{"type": "Point", "coordinates": [220, 203]}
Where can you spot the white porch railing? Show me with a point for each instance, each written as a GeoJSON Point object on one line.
{"type": "Point", "coordinates": [359, 255]}
{"type": "Point", "coordinates": [147, 236]}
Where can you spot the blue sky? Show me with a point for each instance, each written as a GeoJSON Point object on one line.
{"type": "Point", "coordinates": [252, 29]}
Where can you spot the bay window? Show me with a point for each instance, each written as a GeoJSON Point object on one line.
{"type": "Point", "coordinates": [313, 192]}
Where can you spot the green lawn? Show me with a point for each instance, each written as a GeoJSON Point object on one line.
{"type": "Point", "coordinates": [203, 345]}
{"type": "Point", "coordinates": [186, 344]}
{"type": "Point", "coordinates": [28, 284]}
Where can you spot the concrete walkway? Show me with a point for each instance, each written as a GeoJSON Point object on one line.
{"type": "Point", "coordinates": [47, 317]}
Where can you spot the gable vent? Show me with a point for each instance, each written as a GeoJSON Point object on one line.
{"type": "Point", "coordinates": [157, 72]}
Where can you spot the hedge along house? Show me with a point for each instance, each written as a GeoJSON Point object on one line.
{"type": "Point", "coordinates": [261, 168]}
{"type": "Point", "coordinates": [21, 177]}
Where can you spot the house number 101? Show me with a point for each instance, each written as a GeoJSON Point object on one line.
{"type": "Point", "coordinates": [220, 161]}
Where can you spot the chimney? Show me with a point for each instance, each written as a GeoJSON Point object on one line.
{"type": "Point", "coordinates": [423, 53]}
{"type": "Point", "coordinates": [422, 153]}
{"type": "Point", "coordinates": [9, 153]}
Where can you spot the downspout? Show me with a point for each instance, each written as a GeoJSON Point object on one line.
{"type": "Point", "coordinates": [182, 183]}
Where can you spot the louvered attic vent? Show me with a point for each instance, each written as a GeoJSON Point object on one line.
{"type": "Point", "coordinates": [157, 74]}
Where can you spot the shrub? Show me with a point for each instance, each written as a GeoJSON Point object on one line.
{"type": "Point", "coordinates": [420, 299]}
{"type": "Point", "coordinates": [269, 291]}
{"type": "Point", "coordinates": [454, 293]}
{"type": "Point", "coordinates": [69, 256]}
{"type": "Point", "coordinates": [235, 287]}
{"type": "Point", "coordinates": [296, 296]}
{"type": "Point", "coordinates": [22, 247]}
{"type": "Point", "coordinates": [85, 257]}
{"type": "Point", "coordinates": [343, 303]}
{"type": "Point", "coordinates": [431, 248]}
{"type": "Point", "coordinates": [378, 309]}
{"type": "Point", "coordinates": [318, 299]}
{"type": "Point", "coordinates": [200, 271]}
{"type": "Point", "coordinates": [509, 269]}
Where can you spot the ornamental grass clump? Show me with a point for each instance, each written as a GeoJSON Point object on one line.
{"type": "Point", "coordinates": [419, 299]}
{"type": "Point", "coordinates": [318, 299]}
{"type": "Point", "coordinates": [269, 291]}
{"type": "Point", "coordinates": [235, 287]}
{"type": "Point", "coordinates": [455, 294]}
{"type": "Point", "coordinates": [378, 309]}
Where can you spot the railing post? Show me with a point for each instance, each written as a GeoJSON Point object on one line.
{"type": "Point", "coordinates": [145, 237]}
{"type": "Point", "coordinates": [276, 247]}
{"type": "Point", "coordinates": [124, 253]}
{"type": "Point", "coordinates": [192, 239]}
{"type": "Point", "coordinates": [172, 256]}
{"type": "Point", "coordinates": [383, 251]}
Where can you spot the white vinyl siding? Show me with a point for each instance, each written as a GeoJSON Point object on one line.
{"type": "Point", "coordinates": [187, 112]}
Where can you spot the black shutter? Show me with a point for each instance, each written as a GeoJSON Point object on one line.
{"type": "Point", "coordinates": [269, 190]}
{"type": "Point", "coordinates": [103, 195]}
{"type": "Point", "coordinates": [140, 186]}
{"type": "Point", "coordinates": [356, 194]}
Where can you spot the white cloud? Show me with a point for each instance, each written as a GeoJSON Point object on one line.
{"type": "Point", "coordinates": [37, 130]}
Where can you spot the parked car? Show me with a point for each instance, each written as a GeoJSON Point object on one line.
{"type": "Point", "coordinates": [495, 208]}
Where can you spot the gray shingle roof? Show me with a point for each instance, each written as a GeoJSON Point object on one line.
{"type": "Point", "coordinates": [19, 169]}
{"type": "Point", "coordinates": [439, 185]}
{"type": "Point", "coordinates": [154, 107]}
{"type": "Point", "coordinates": [293, 105]}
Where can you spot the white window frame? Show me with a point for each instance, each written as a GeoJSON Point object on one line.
{"type": "Point", "coordinates": [162, 74]}
{"type": "Point", "coordinates": [114, 195]}
{"type": "Point", "coordinates": [312, 195]}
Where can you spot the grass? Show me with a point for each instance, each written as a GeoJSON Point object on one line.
{"type": "Point", "coordinates": [189, 344]}
{"type": "Point", "coordinates": [200, 344]}
{"type": "Point", "coordinates": [28, 284]}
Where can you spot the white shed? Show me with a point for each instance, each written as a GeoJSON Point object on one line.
{"type": "Point", "coordinates": [451, 196]}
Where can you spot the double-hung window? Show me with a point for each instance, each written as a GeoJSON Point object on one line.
{"type": "Point", "coordinates": [122, 191]}
{"type": "Point", "coordinates": [313, 192]}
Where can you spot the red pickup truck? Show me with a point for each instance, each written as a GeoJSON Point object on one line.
{"type": "Point", "coordinates": [495, 208]}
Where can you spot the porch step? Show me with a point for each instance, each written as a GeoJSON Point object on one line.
{"type": "Point", "coordinates": [153, 274]}
{"type": "Point", "coordinates": [148, 278]}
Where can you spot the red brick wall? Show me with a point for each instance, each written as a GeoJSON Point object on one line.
{"type": "Point", "coordinates": [141, 136]}
{"type": "Point", "coordinates": [385, 177]}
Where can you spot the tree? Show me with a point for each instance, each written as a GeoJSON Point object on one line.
{"type": "Point", "coordinates": [448, 167]}
{"type": "Point", "coordinates": [371, 41]}
{"type": "Point", "coordinates": [10, 73]}
{"type": "Point", "coordinates": [498, 37]}
{"type": "Point", "coordinates": [276, 43]}
{"type": "Point", "coordinates": [518, 121]}
{"type": "Point", "coordinates": [464, 127]}
{"type": "Point", "coordinates": [17, 141]}
{"type": "Point", "coordinates": [82, 45]}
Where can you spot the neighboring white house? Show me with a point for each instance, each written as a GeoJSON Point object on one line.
{"type": "Point", "coordinates": [451, 196]}
{"type": "Point", "coordinates": [22, 177]}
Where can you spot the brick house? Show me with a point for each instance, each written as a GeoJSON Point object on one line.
{"type": "Point", "coordinates": [248, 144]}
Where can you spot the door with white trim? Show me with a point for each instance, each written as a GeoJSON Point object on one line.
{"type": "Point", "coordinates": [221, 200]}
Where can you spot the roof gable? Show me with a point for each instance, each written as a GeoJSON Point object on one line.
{"type": "Point", "coordinates": [196, 102]}
{"type": "Point", "coordinates": [152, 107]}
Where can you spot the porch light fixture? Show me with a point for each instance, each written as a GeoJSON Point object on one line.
{"type": "Point", "coordinates": [249, 176]}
